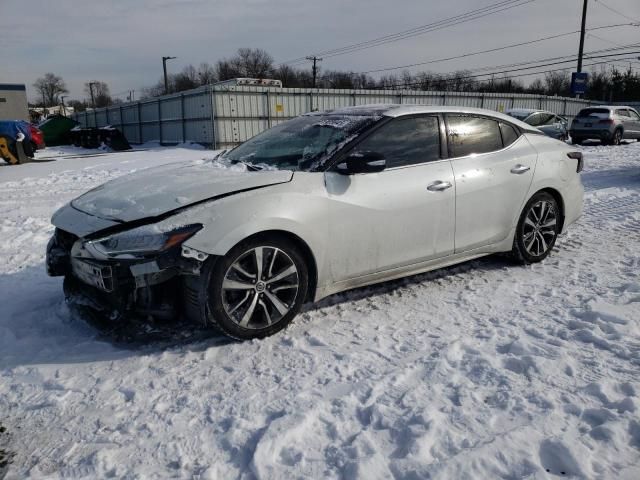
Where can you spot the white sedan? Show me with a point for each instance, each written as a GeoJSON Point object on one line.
{"type": "Point", "coordinates": [319, 204]}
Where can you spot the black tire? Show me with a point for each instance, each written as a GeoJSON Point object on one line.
{"type": "Point", "coordinates": [531, 243]}
{"type": "Point", "coordinates": [217, 300]}
{"type": "Point", "coordinates": [29, 148]}
{"type": "Point", "coordinates": [576, 141]}
{"type": "Point", "coordinates": [617, 137]}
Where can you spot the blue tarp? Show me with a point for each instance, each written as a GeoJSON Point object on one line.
{"type": "Point", "coordinates": [12, 127]}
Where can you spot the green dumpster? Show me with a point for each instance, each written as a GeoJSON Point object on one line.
{"type": "Point", "coordinates": [56, 130]}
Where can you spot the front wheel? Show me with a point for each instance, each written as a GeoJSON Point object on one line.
{"type": "Point", "coordinates": [257, 288]}
{"type": "Point", "coordinates": [537, 229]}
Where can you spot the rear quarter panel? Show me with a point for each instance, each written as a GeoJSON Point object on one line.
{"type": "Point", "coordinates": [555, 170]}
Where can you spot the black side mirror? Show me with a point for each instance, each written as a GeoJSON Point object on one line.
{"type": "Point", "coordinates": [362, 162]}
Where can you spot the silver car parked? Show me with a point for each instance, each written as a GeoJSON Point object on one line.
{"type": "Point", "coordinates": [549, 123]}
{"type": "Point", "coordinates": [316, 205]}
{"type": "Point", "coordinates": [609, 124]}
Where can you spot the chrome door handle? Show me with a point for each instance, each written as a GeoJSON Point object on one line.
{"type": "Point", "coordinates": [520, 169]}
{"type": "Point", "coordinates": [439, 185]}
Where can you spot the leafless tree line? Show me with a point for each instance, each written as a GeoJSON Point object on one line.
{"type": "Point", "coordinates": [609, 83]}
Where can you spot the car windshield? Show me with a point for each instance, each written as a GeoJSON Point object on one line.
{"type": "Point", "coordinates": [519, 115]}
{"type": "Point", "coordinates": [304, 143]}
{"type": "Point", "coordinates": [593, 112]}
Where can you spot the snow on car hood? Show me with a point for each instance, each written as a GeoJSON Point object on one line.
{"type": "Point", "coordinates": [156, 191]}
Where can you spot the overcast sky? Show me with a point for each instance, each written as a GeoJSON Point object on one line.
{"type": "Point", "coordinates": [121, 42]}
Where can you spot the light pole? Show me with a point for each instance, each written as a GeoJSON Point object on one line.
{"type": "Point", "coordinates": [64, 110]}
{"type": "Point", "coordinates": [164, 69]}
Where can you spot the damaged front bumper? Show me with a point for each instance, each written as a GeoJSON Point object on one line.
{"type": "Point", "coordinates": [161, 286]}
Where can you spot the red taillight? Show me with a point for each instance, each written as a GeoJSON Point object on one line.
{"type": "Point", "coordinates": [577, 156]}
{"type": "Point", "coordinates": [607, 121]}
{"type": "Point", "coordinates": [37, 136]}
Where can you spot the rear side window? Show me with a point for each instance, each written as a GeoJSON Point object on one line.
{"type": "Point", "coordinates": [509, 134]}
{"type": "Point", "coordinates": [594, 112]}
{"type": "Point", "coordinates": [405, 141]}
{"type": "Point", "coordinates": [622, 113]}
{"type": "Point", "coordinates": [468, 135]}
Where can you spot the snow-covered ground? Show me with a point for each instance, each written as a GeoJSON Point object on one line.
{"type": "Point", "coordinates": [483, 370]}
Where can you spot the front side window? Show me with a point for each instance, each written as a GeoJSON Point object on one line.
{"type": "Point", "coordinates": [472, 135]}
{"type": "Point", "coordinates": [405, 141]}
{"type": "Point", "coordinates": [634, 115]}
{"type": "Point", "coordinates": [304, 143]}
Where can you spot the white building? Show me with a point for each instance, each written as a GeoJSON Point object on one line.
{"type": "Point", "coordinates": [13, 102]}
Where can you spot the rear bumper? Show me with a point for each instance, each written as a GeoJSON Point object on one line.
{"type": "Point", "coordinates": [601, 134]}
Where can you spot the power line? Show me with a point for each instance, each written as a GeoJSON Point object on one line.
{"type": "Point", "coordinates": [420, 30]}
{"type": "Point", "coordinates": [611, 9]}
{"type": "Point", "coordinates": [466, 77]}
{"type": "Point", "coordinates": [491, 50]}
{"type": "Point", "coordinates": [569, 57]}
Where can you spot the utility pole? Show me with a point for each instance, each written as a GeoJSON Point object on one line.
{"type": "Point", "coordinates": [314, 68]}
{"type": "Point", "coordinates": [64, 110]}
{"type": "Point", "coordinates": [164, 69]}
{"type": "Point", "coordinates": [578, 77]}
{"type": "Point", "coordinates": [582, 31]}
{"type": "Point", "coordinates": [93, 98]}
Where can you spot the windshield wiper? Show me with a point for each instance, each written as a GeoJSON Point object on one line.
{"type": "Point", "coordinates": [250, 166]}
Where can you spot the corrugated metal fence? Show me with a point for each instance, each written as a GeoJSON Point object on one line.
{"type": "Point", "coordinates": [223, 116]}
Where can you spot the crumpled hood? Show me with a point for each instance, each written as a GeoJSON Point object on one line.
{"type": "Point", "coordinates": [156, 191]}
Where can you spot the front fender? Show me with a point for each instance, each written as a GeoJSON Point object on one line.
{"type": "Point", "coordinates": [299, 208]}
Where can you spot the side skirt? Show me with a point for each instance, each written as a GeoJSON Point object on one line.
{"type": "Point", "coordinates": [401, 272]}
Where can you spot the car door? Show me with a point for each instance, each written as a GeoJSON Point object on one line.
{"type": "Point", "coordinates": [622, 115]}
{"type": "Point", "coordinates": [493, 167]}
{"type": "Point", "coordinates": [634, 123]}
{"type": "Point", "coordinates": [400, 216]}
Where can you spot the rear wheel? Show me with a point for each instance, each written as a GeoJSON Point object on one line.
{"type": "Point", "coordinates": [537, 229]}
{"type": "Point", "coordinates": [29, 148]}
{"type": "Point", "coordinates": [617, 137]}
{"type": "Point", "coordinates": [576, 141]}
{"type": "Point", "coordinates": [257, 288]}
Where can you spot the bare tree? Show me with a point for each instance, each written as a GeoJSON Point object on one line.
{"type": "Point", "coordinates": [247, 62]}
{"type": "Point", "coordinates": [77, 105]}
{"type": "Point", "coordinates": [206, 74]}
{"type": "Point", "coordinates": [50, 87]}
{"type": "Point", "coordinates": [557, 83]}
{"type": "Point", "coordinates": [101, 94]}
{"type": "Point", "coordinates": [185, 80]}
